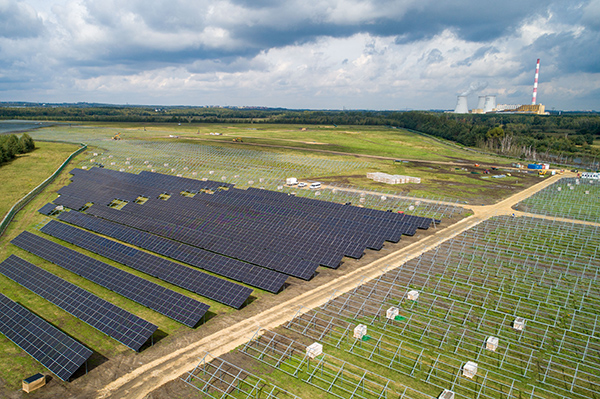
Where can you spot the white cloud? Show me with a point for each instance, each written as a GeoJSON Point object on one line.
{"type": "Point", "coordinates": [380, 54]}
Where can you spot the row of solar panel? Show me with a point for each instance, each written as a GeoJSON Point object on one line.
{"type": "Point", "coordinates": [180, 183]}
{"type": "Point", "coordinates": [224, 228]}
{"type": "Point", "coordinates": [325, 255]}
{"type": "Point", "coordinates": [237, 249]}
{"type": "Point", "coordinates": [209, 286]}
{"type": "Point", "coordinates": [297, 268]}
{"type": "Point", "coordinates": [232, 239]}
{"type": "Point", "coordinates": [163, 300]}
{"type": "Point", "coordinates": [129, 193]}
{"type": "Point", "coordinates": [58, 352]}
{"type": "Point", "coordinates": [381, 220]}
{"type": "Point", "coordinates": [244, 272]}
{"type": "Point", "coordinates": [127, 328]}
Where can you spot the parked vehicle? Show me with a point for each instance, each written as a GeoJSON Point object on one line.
{"type": "Point", "coordinates": [314, 186]}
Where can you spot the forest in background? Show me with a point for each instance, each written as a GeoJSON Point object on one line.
{"type": "Point", "coordinates": [567, 138]}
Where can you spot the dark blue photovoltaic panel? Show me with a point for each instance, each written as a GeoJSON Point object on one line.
{"type": "Point", "coordinates": [285, 233]}
{"type": "Point", "coordinates": [194, 280]}
{"type": "Point", "coordinates": [255, 276]}
{"type": "Point", "coordinates": [58, 352]}
{"type": "Point", "coordinates": [163, 300]}
{"type": "Point", "coordinates": [47, 209]}
{"type": "Point", "coordinates": [113, 321]}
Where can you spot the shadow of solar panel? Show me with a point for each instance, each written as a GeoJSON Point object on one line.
{"type": "Point", "coordinates": [113, 321]}
{"type": "Point", "coordinates": [255, 276]}
{"type": "Point", "coordinates": [212, 287]}
{"type": "Point", "coordinates": [163, 300]}
{"type": "Point", "coordinates": [58, 352]}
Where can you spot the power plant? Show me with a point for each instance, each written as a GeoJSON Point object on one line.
{"type": "Point", "coordinates": [487, 104]}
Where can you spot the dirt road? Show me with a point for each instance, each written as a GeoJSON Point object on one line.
{"type": "Point", "coordinates": [140, 382]}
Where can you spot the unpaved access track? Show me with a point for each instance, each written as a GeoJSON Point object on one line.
{"type": "Point", "coordinates": [141, 381]}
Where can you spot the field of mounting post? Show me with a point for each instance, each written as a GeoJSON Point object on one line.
{"type": "Point", "coordinates": [496, 295]}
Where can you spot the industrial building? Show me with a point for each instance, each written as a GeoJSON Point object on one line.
{"type": "Point", "coordinates": [487, 104]}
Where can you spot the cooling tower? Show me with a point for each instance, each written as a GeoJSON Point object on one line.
{"type": "Point", "coordinates": [490, 103]}
{"type": "Point", "coordinates": [481, 102]}
{"type": "Point", "coordinates": [461, 105]}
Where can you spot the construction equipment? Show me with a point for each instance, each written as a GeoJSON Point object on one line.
{"type": "Point", "coordinates": [117, 136]}
{"type": "Point", "coordinates": [542, 172]}
{"type": "Point", "coordinates": [238, 140]}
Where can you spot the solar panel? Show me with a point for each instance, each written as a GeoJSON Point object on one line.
{"type": "Point", "coordinates": [285, 264]}
{"type": "Point", "coordinates": [58, 352]}
{"type": "Point", "coordinates": [255, 276]}
{"type": "Point", "coordinates": [288, 234]}
{"type": "Point", "coordinates": [163, 300]}
{"type": "Point", "coordinates": [194, 280]}
{"type": "Point", "coordinates": [47, 209]}
{"type": "Point", "coordinates": [113, 321]}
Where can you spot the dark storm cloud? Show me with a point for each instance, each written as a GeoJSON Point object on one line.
{"type": "Point", "coordinates": [301, 44]}
{"type": "Point", "coordinates": [573, 52]}
{"type": "Point", "coordinates": [19, 21]}
{"type": "Point", "coordinates": [273, 24]}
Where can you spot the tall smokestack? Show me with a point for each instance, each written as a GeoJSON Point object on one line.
{"type": "Point", "coordinates": [535, 82]}
{"type": "Point", "coordinates": [461, 105]}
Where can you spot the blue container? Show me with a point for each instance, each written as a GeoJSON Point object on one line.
{"type": "Point", "coordinates": [534, 166]}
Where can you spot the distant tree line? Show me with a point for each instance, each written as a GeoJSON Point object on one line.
{"type": "Point", "coordinates": [11, 146]}
{"type": "Point", "coordinates": [548, 138]}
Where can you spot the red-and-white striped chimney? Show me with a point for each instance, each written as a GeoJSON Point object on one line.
{"type": "Point", "coordinates": [535, 82]}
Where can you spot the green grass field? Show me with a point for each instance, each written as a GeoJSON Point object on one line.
{"type": "Point", "coordinates": [291, 152]}
{"type": "Point", "coordinates": [27, 171]}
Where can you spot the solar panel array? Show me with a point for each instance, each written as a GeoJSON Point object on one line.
{"type": "Point", "coordinates": [47, 209]}
{"type": "Point", "coordinates": [127, 328]}
{"type": "Point", "coordinates": [194, 280]}
{"type": "Point", "coordinates": [163, 300]}
{"type": "Point", "coordinates": [289, 234]}
{"type": "Point", "coordinates": [58, 352]}
{"type": "Point", "coordinates": [255, 276]}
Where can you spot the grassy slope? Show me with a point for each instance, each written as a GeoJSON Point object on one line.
{"type": "Point", "coordinates": [27, 171]}
{"type": "Point", "coordinates": [438, 180]}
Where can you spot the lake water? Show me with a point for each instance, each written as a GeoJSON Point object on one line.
{"type": "Point", "coordinates": [14, 126]}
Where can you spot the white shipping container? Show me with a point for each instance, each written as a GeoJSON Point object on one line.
{"type": "Point", "coordinates": [519, 324]}
{"type": "Point", "coordinates": [447, 394]}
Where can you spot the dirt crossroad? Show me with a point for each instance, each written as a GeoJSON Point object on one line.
{"type": "Point", "coordinates": [140, 382]}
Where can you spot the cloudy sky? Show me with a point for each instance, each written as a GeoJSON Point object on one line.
{"type": "Point", "coordinates": [326, 54]}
